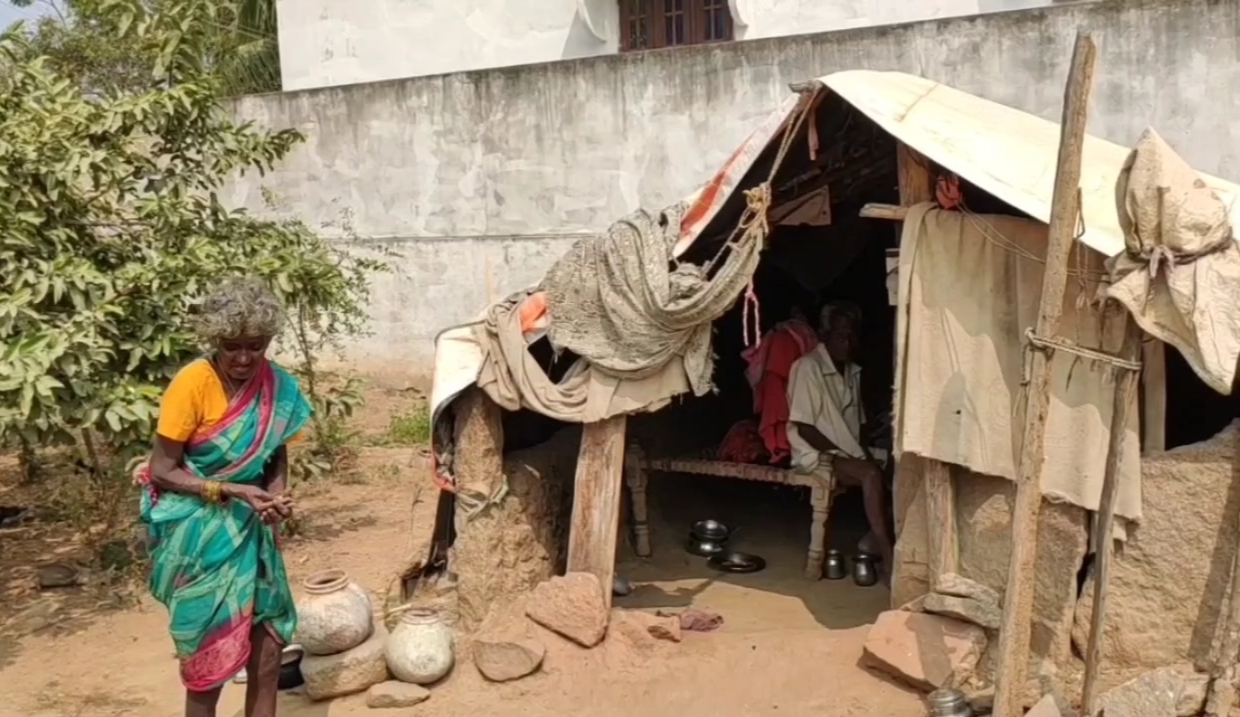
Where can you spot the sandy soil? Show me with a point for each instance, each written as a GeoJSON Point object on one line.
{"type": "Point", "coordinates": [788, 647]}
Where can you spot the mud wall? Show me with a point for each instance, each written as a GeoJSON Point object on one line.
{"type": "Point", "coordinates": [1168, 589]}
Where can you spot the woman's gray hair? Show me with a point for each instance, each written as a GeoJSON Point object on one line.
{"type": "Point", "coordinates": [839, 308]}
{"type": "Point", "coordinates": [240, 307]}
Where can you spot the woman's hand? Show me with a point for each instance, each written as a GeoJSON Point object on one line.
{"type": "Point", "coordinates": [258, 499]}
{"type": "Point", "coordinates": [280, 511]}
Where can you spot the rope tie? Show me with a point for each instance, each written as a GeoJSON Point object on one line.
{"type": "Point", "coordinates": [751, 310]}
{"type": "Point", "coordinates": [1070, 347]}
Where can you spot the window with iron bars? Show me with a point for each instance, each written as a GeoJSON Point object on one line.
{"type": "Point", "coordinates": [653, 24]}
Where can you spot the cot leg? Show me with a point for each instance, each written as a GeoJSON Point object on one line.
{"type": "Point", "coordinates": [820, 503]}
{"type": "Point", "coordinates": [636, 478]}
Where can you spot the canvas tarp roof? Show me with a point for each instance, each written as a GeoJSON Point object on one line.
{"type": "Point", "coordinates": [1008, 153]}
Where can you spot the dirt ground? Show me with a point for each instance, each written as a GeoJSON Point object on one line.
{"type": "Point", "coordinates": [788, 646]}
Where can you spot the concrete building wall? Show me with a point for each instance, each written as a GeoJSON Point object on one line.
{"type": "Point", "coordinates": [481, 180]}
{"type": "Point", "coordinates": [325, 43]}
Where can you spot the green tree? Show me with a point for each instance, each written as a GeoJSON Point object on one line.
{"type": "Point", "coordinates": [239, 44]}
{"type": "Point", "coordinates": [111, 227]}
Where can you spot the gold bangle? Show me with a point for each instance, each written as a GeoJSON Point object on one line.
{"type": "Point", "coordinates": [212, 491]}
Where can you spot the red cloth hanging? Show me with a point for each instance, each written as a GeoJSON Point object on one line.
{"type": "Point", "coordinates": [770, 364]}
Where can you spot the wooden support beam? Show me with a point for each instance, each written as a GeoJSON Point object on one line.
{"type": "Point", "coordinates": [884, 211]}
{"type": "Point", "coordinates": [1221, 696]}
{"type": "Point", "coordinates": [1014, 634]}
{"type": "Point", "coordinates": [917, 186]}
{"type": "Point", "coordinates": [1125, 395]}
{"type": "Point", "coordinates": [1154, 396]}
{"type": "Point", "coordinates": [597, 492]}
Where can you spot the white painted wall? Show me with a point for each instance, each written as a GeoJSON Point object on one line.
{"type": "Point", "coordinates": [326, 43]}
{"type": "Point", "coordinates": [480, 180]}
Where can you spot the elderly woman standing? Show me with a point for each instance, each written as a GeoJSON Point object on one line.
{"type": "Point", "coordinates": [215, 491]}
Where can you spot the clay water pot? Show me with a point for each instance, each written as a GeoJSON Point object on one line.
{"type": "Point", "coordinates": [334, 615]}
{"type": "Point", "coordinates": [420, 651]}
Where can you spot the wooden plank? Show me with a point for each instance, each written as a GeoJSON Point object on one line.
{"type": "Point", "coordinates": [597, 493]}
{"type": "Point", "coordinates": [1125, 394]}
{"type": "Point", "coordinates": [917, 186]}
{"type": "Point", "coordinates": [913, 173]}
{"type": "Point", "coordinates": [1014, 633]}
{"type": "Point", "coordinates": [1154, 393]}
{"type": "Point", "coordinates": [941, 520]}
{"type": "Point", "coordinates": [884, 211]}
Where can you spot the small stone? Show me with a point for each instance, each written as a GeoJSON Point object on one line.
{"type": "Point", "coordinates": [1051, 705]}
{"type": "Point", "coordinates": [1160, 693]}
{"type": "Point", "coordinates": [571, 606]}
{"type": "Point", "coordinates": [349, 672]}
{"type": "Point", "coordinates": [926, 651]}
{"type": "Point", "coordinates": [504, 660]}
{"type": "Point", "coordinates": [387, 695]}
{"type": "Point", "coordinates": [988, 615]}
{"type": "Point", "coordinates": [957, 586]}
{"type": "Point", "coordinates": [917, 604]}
{"type": "Point", "coordinates": [665, 628]}
{"type": "Point", "coordinates": [662, 627]}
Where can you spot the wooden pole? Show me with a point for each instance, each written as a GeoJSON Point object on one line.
{"type": "Point", "coordinates": [1125, 392]}
{"type": "Point", "coordinates": [1154, 392]}
{"type": "Point", "coordinates": [917, 186]}
{"type": "Point", "coordinates": [1222, 690]}
{"type": "Point", "coordinates": [597, 491]}
{"type": "Point", "coordinates": [1065, 210]}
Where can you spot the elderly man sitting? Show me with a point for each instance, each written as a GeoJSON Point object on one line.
{"type": "Point", "coordinates": [825, 417]}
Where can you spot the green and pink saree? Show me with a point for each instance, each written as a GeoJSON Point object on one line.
{"type": "Point", "coordinates": [216, 567]}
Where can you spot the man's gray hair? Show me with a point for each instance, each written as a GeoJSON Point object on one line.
{"type": "Point", "coordinates": [839, 308]}
{"type": "Point", "coordinates": [240, 307]}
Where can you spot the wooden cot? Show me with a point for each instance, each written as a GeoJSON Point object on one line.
{"type": "Point", "coordinates": [638, 469]}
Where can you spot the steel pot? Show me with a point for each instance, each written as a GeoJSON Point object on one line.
{"type": "Point", "coordinates": [835, 568]}
{"type": "Point", "coordinates": [705, 548]}
{"type": "Point", "coordinates": [865, 572]}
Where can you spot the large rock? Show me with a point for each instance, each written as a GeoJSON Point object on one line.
{"type": "Point", "coordinates": [959, 586]}
{"type": "Point", "coordinates": [571, 606]}
{"type": "Point", "coordinates": [1169, 580]}
{"type": "Point", "coordinates": [329, 676]}
{"type": "Point", "coordinates": [988, 615]}
{"type": "Point", "coordinates": [926, 651]}
{"type": "Point", "coordinates": [984, 522]}
{"type": "Point", "coordinates": [392, 694]}
{"type": "Point", "coordinates": [1165, 692]}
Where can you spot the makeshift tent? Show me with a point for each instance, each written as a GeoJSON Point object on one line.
{"type": "Point", "coordinates": [1005, 152]}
